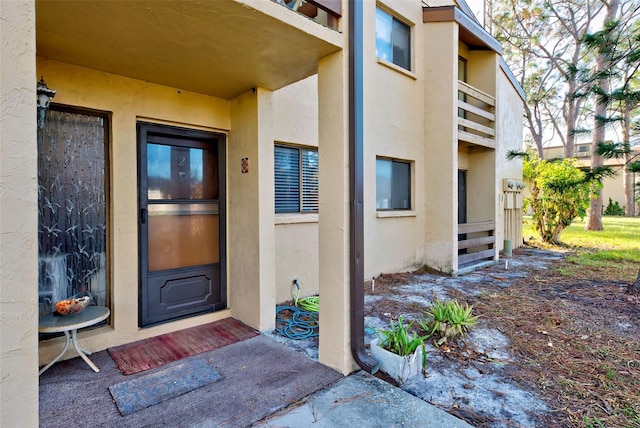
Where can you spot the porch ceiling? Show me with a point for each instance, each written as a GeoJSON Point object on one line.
{"type": "Point", "coordinates": [217, 48]}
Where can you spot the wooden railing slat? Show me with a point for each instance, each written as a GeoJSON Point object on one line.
{"type": "Point", "coordinates": [476, 110]}
{"type": "Point", "coordinates": [476, 139]}
{"type": "Point", "coordinates": [480, 226]}
{"type": "Point", "coordinates": [476, 126]}
{"type": "Point", "coordinates": [475, 242]}
{"type": "Point", "coordinates": [476, 93]}
{"type": "Point", "coordinates": [472, 257]}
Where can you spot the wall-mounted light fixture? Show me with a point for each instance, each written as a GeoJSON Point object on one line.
{"type": "Point", "coordinates": [44, 99]}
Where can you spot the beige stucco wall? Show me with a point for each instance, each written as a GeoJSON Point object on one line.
{"type": "Point", "coordinates": [613, 187]}
{"type": "Point", "coordinates": [482, 68]}
{"type": "Point", "coordinates": [509, 128]}
{"type": "Point", "coordinates": [18, 217]}
{"type": "Point", "coordinates": [129, 100]}
{"type": "Point", "coordinates": [441, 149]}
{"type": "Point", "coordinates": [333, 226]}
{"type": "Point", "coordinates": [393, 128]}
{"type": "Point", "coordinates": [251, 280]}
{"type": "Point", "coordinates": [295, 120]}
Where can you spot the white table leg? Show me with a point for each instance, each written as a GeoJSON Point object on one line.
{"type": "Point", "coordinates": [66, 346]}
{"type": "Point", "coordinates": [74, 338]}
{"type": "Point", "coordinates": [84, 351]}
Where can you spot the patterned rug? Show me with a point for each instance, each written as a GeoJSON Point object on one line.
{"type": "Point", "coordinates": [156, 351]}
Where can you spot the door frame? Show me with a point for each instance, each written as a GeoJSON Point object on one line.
{"type": "Point", "coordinates": [174, 132]}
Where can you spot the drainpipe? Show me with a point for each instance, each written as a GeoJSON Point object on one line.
{"type": "Point", "coordinates": [356, 180]}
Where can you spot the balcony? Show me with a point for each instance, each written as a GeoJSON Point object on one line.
{"type": "Point", "coordinates": [476, 116]}
{"type": "Point", "coordinates": [216, 48]}
{"type": "Point", "coordinates": [325, 12]}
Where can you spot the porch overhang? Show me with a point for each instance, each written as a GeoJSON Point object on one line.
{"type": "Point", "coordinates": [471, 33]}
{"type": "Point", "coordinates": [216, 48]}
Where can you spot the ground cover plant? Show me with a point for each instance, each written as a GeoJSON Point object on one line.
{"type": "Point", "coordinates": [573, 332]}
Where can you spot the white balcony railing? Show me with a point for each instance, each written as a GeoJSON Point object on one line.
{"type": "Point", "coordinates": [476, 116]}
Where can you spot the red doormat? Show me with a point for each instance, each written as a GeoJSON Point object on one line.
{"type": "Point", "coordinates": [156, 351]}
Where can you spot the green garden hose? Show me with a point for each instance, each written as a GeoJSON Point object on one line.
{"type": "Point", "coordinates": [311, 303]}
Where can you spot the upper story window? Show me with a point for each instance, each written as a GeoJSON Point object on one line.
{"type": "Point", "coordinates": [393, 184]}
{"type": "Point", "coordinates": [296, 179]}
{"type": "Point", "coordinates": [393, 40]}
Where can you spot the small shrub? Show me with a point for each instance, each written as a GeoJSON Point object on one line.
{"type": "Point", "coordinates": [614, 208]}
{"type": "Point", "coordinates": [447, 320]}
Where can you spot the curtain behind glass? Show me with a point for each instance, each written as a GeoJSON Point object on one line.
{"type": "Point", "coordinates": [71, 208]}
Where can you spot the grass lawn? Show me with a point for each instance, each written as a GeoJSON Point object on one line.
{"type": "Point", "coordinates": [614, 251]}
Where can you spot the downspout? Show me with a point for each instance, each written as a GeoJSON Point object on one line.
{"type": "Point", "coordinates": [356, 180]}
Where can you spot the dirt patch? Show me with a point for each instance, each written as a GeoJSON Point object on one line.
{"type": "Point", "coordinates": [550, 348]}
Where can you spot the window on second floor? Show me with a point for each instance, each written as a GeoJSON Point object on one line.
{"type": "Point", "coordinates": [296, 179]}
{"type": "Point", "coordinates": [393, 40]}
{"type": "Point", "coordinates": [393, 184]}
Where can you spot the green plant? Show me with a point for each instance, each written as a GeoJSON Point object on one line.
{"type": "Point", "coordinates": [614, 208]}
{"type": "Point", "coordinates": [400, 341]}
{"type": "Point", "coordinates": [447, 320]}
{"type": "Point", "coordinates": [558, 192]}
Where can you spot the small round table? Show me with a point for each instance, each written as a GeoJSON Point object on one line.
{"type": "Point", "coordinates": [54, 323]}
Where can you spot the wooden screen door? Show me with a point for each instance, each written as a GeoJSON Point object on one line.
{"type": "Point", "coordinates": [182, 223]}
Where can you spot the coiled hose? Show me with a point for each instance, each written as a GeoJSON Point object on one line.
{"type": "Point", "coordinates": [299, 321]}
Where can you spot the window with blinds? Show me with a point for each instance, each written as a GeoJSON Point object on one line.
{"type": "Point", "coordinates": [296, 179]}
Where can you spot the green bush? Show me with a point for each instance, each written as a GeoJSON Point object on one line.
{"type": "Point", "coordinates": [614, 208]}
{"type": "Point", "coordinates": [558, 193]}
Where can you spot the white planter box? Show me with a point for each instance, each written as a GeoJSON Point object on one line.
{"type": "Point", "coordinates": [399, 368]}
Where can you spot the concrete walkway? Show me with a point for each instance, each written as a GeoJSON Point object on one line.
{"type": "Point", "coordinates": [361, 400]}
{"type": "Point", "coordinates": [263, 383]}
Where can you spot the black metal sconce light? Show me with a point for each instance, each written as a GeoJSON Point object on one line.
{"type": "Point", "coordinates": [44, 99]}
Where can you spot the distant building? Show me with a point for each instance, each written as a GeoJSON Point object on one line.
{"type": "Point", "coordinates": [613, 187]}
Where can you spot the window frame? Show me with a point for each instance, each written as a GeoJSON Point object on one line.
{"type": "Point", "coordinates": [409, 190]}
{"type": "Point", "coordinates": [302, 205]}
{"type": "Point", "coordinates": [410, 35]}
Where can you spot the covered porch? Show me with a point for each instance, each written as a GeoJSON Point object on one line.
{"type": "Point", "coordinates": [203, 66]}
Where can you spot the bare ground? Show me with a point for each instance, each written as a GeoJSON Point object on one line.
{"type": "Point", "coordinates": [555, 346]}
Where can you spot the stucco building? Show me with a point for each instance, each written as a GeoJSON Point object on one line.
{"type": "Point", "coordinates": [197, 157]}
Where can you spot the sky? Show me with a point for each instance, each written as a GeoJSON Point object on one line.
{"type": "Point", "coordinates": [477, 6]}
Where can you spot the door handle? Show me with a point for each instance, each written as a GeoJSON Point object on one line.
{"type": "Point", "coordinates": [143, 215]}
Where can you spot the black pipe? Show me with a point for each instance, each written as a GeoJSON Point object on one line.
{"type": "Point", "coordinates": [356, 180]}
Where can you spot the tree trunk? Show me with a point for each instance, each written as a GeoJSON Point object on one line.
{"type": "Point", "coordinates": [603, 63]}
{"type": "Point", "coordinates": [629, 193]}
{"type": "Point", "coordinates": [570, 119]}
